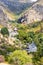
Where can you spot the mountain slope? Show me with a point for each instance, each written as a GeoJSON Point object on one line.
{"type": "Point", "coordinates": [3, 17]}
{"type": "Point", "coordinates": [17, 6]}
{"type": "Point", "coordinates": [35, 13]}
{"type": "Point", "coordinates": [9, 9]}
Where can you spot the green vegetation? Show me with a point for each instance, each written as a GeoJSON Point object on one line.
{"type": "Point", "coordinates": [19, 57]}
{"type": "Point", "coordinates": [25, 37]}
{"type": "Point", "coordinates": [4, 31]}
{"type": "Point", "coordinates": [39, 54]}
{"type": "Point", "coordinates": [16, 54]}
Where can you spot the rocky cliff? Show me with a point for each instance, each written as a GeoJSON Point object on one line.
{"type": "Point", "coordinates": [3, 16]}
{"type": "Point", "coordinates": [35, 13]}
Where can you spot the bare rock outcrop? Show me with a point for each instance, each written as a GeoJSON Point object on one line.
{"type": "Point", "coordinates": [33, 14]}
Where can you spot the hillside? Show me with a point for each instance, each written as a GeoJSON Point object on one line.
{"type": "Point", "coordinates": [16, 6]}
{"type": "Point", "coordinates": [3, 17]}
{"type": "Point", "coordinates": [33, 14]}
{"type": "Point", "coordinates": [9, 9]}
{"type": "Point", "coordinates": [21, 32]}
{"type": "Point", "coordinates": [29, 11]}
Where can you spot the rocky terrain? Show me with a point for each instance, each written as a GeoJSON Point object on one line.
{"type": "Point", "coordinates": [8, 8]}
{"type": "Point", "coordinates": [35, 13]}
{"type": "Point", "coordinates": [17, 6]}
{"type": "Point", "coordinates": [3, 64]}
{"type": "Point", "coordinates": [3, 16]}
{"type": "Point", "coordinates": [21, 44]}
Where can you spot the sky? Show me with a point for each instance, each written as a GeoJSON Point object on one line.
{"type": "Point", "coordinates": [33, 0]}
{"type": "Point", "coordinates": [29, 1]}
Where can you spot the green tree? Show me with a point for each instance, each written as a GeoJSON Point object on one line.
{"type": "Point", "coordinates": [5, 49]}
{"type": "Point", "coordinates": [4, 31]}
{"type": "Point", "coordinates": [22, 35]}
{"type": "Point", "coordinates": [41, 61]}
{"type": "Point", "coordinates": [39, 54]}
{"type": "Point", "coordinates": [19, 57]}
{"type": "Point", "coordinates": [31, 34]}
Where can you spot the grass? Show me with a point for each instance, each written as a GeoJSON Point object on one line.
{"type": "Point", "coordinates": [34, 29]}
{"type": "Point", "coordinates": [11, 15]}
{"type": "Point", "coordinates": [1, 26]}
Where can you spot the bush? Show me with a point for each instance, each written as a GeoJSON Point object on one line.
{"type": "Point", "coordinates": [4, 31]}
{"type": "Point", "coordinates": [38, 56]}
{"type": "Point", "coordinates": [18, 58]}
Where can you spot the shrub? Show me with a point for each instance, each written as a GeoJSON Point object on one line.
{"type": "Point", "coordinates": [18, 57]}
{"type": "Point", "coordinates": [4, 31]}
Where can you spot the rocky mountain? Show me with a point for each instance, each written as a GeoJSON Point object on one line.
{"type": "Point", "coordinates": [8, 9]}
{"type": "Point", "coordinates": [17, 6]}
{"type": "Point", "coordinates": [3, 16]}
{"type": "Point", "coordinates": [32, 10]}
{"type": "Point", "coordinates": [35, 13]}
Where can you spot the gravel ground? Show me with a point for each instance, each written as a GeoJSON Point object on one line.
{"type": "Point", "coordinates": [3, 64]}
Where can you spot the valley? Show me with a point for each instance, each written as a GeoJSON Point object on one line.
{"type": "Point", "coordinates": [21, 32]}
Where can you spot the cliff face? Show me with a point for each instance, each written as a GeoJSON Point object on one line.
{"type": "Point", "coordinates": [35, 13]}
{"type": "Point", "coordinates": [3, 17]}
